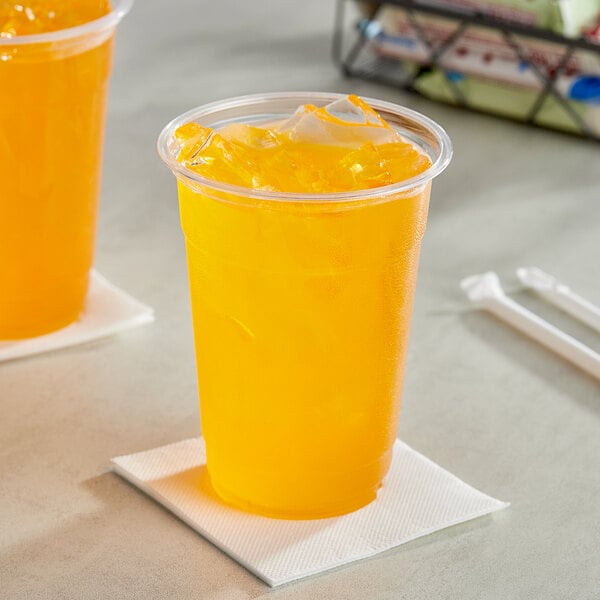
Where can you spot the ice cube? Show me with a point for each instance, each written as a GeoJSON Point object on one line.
{"type": "Point", "coordinates": [220, 156]}
{"type": "Point", "coordinates": [374, 166]}
{"type": "Point", "coordinates": [345, 122]}
{"type": "Point", "coordinates": [254, 137]}
{"type": "Point", "coordinates": [190, 138]}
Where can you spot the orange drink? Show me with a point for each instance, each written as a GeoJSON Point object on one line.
{"type": "Point", "coordinates": [302, 260]}
{"type": "Point", "coordinates": [55, 60]}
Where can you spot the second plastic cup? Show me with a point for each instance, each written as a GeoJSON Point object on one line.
{"type": "Point", "coordinates": [301, 309]}
{"type": "Point", "coordinates": [52, 107]}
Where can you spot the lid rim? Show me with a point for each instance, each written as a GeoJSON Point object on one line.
{"type": "Point", "coordinates": [111, 19]}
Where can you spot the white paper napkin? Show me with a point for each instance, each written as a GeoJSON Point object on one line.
{"type": "Point", "coordinates": [108, 310]}
{"type": "Point", "coordinates": [418, 497]}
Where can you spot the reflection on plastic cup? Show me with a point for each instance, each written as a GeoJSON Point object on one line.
{"type": "Point", "coordinates": [52, 109]}
{"type": "Point", "coordinates": [301, 307]}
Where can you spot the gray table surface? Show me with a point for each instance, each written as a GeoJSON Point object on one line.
{"type": "Point", "coordinates": [491, 406]}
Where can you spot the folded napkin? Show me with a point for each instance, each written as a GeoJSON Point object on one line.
{"type": "Point", "coordinates": [418, 497]}
{"type": "Point", "coordinates": [107, 310]}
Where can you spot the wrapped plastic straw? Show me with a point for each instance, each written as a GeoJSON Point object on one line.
{"type": "Point", "coordinates": [550, 289]}
{"type": "Point", "coordinates": [485, 291]}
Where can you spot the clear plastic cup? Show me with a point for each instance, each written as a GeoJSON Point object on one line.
{"type": "Point", "coordinates": [301, 309]}
{"type": "Point", "coordinates": [52, 107]}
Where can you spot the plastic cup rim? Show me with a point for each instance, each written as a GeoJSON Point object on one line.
{"type": "Point", "coordinates": [185, 174]}
{"type": "Point", "coordinates": [119, 9]}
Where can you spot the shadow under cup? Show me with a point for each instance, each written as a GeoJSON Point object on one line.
{"type": "Point", "coordinates": [301, 309]}
{"type": "Point", "coordinates": [52, 111]}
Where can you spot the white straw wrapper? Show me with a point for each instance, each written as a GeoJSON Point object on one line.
{"type": "Point", "coordinates": [485, 291]}
{"type": "Point", "coordinates": [550, 289]}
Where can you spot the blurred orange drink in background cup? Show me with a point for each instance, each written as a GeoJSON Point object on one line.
{"type": "Point", "coordinates": [55, 62]}
{"type": "Point", "coordinates": [301, 306]}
